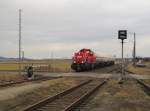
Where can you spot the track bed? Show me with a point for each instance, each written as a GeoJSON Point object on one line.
{"type": "Point", "coordinates": [129, 96]}
{"type": "Point", "coordinates": [21, 81]}
{"type": "Point", "coordinates": [68, 99]}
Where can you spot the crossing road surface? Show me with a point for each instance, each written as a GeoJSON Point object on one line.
{"type": "Point", "coordinates": [97, 75]}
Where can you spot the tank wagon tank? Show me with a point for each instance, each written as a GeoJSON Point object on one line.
{"type": "Point", "coordinates": [86, 59]}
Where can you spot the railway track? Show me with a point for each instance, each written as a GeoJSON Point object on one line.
{"type": "Point", "coordinates": [146, 86]}
{"type": "Point", "coordinates": [115, 69]}
{"type": "Point", "coordinates": [25, 81]}
{"type": "Point", "coordinates": [69, 99]}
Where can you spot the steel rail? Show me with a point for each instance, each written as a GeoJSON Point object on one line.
{"type": "Point", "coordinates": [24, 81]}
{"type": "Point", "coordinates": [147, 87]}
{"type": "Point", "coordinates": [84, 97]}
{"type": "Point", "coordinates": [50, 99]}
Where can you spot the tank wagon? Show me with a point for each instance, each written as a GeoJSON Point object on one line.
{"type": "Point", "coordinates": [86, 59]}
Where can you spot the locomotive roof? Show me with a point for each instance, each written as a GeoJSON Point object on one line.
{"type": "Point", "coordinates": [85, 50]}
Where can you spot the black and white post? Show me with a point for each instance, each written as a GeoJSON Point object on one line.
{"type": "Point", "coordinates": [122, 34]}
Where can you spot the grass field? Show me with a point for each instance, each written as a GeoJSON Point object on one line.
{"type": "Point", "coordinates": [51, 65]}
{"type": "Point", "coordinates": [140, 70]}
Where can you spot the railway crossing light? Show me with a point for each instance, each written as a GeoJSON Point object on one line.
{"type": "Point", "coordinates": [122, 34]}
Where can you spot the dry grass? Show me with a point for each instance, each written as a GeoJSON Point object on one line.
{"type": "Point", "coordinates": [57, 65]}
{"type": "Point", "coordinates": [4, 78]}
{"type": "Point", "coordinates": [140, 70]}
{"type": "Point", "coordinates": [49, 88]}
{"type": "Point", "coordinates": [115, 97]}
{"type": "Point", "coordinates": [147, 81]}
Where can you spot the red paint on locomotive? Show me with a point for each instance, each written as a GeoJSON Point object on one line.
{"type": "Point", "coordinates": [83, 56]}
{"type": "Point", "coordinates": [85, 59]}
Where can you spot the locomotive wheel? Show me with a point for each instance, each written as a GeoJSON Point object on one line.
{"type": "Point", "coordinates": [78, 68]}
{"type": "Point", "coordinates": [92, 66]}
{"type": "Point", "coordinates": [86, 66]}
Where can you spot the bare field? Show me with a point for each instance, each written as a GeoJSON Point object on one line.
{"type": "Point", "coordinates": [49, 65]}
{"type": "Point", "coordinates": [7, 68]}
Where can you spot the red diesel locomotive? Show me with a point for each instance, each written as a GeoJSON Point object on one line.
{"type": "Point", "coordinates": [86, 59]}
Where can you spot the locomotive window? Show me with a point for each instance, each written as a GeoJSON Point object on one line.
{"type": "Point", "coordinates": [92, 52]}
{"type": "Point", "coordinates": [81, 50]}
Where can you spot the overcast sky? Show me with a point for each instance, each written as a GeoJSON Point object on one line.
{"type": "Point", "coordinates": [66, 26]}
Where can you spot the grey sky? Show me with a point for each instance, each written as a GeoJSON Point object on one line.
{"type": "Point", "coordinates": [65, 26]}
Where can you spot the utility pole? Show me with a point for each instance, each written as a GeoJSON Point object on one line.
{"type": "Point", "coordinates": [22, 55]}
{"type": "Point", "coordinates": [51, 55]}
{"type": "Point", "coordinates": [52, 61]}
{"type": "Point", "coordinates": [134, 50]}
{"type": "Point", "coordinates": [19, 41]}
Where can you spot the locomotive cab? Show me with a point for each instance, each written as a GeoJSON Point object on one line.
{"type": "Point", "coordinates": [83, 60]}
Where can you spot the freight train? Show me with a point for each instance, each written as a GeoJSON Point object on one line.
{"type": "Point", "coordinates": [86, 59]}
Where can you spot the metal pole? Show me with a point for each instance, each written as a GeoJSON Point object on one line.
{"type": "Point", "coordinates": [53, 64]}
{"type": "Point", "coordinates": [51, 61]}
{"type": "Point", "coordinates": [122, 60]}
{"type": "Point", "coordinates": [22, 55]}
{"type": "Point", "coordinates": [134, 50]}
{"type": "Point", "coordinates": [20, 41]}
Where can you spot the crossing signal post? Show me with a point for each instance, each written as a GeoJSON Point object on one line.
{"type": "Point", "coordinates": [122, 34]}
